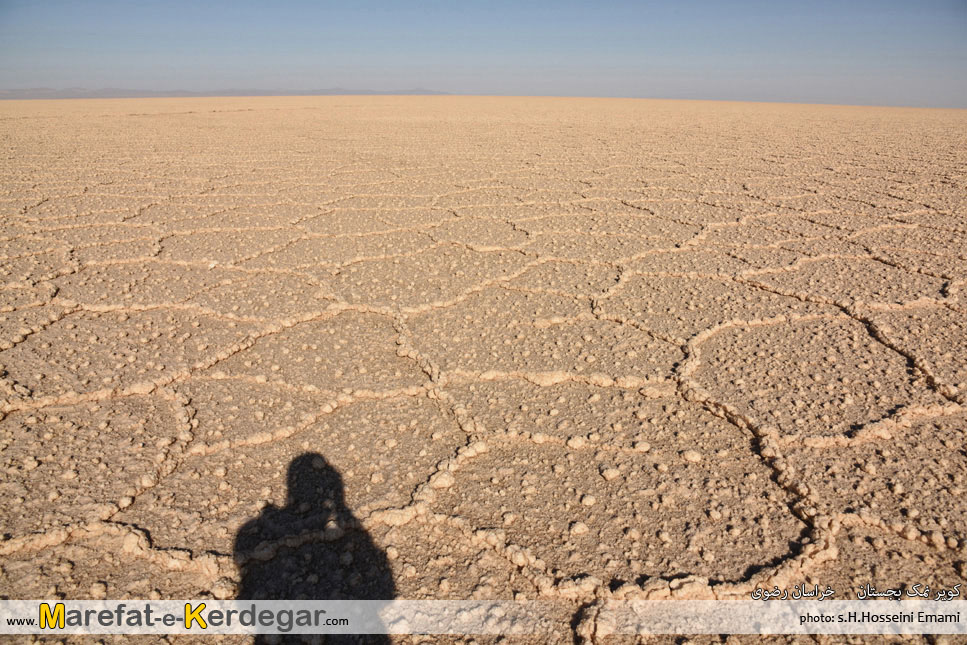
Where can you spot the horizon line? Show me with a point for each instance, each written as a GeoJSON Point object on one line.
{"type": "Point", "coordinates": [110, 93]}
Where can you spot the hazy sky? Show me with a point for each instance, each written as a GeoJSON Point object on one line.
{"type": "Point", "coordinates": [847, 51]}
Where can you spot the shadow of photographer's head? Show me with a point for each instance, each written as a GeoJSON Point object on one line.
{"type": "Point", "coordinates": [313, 547]}
{"type": "Point", "coordinates": [315, 488]}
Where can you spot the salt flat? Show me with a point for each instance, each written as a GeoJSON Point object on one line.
{"type": "Point", "coordinates": [563, 349]}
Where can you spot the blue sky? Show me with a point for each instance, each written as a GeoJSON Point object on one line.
{"type": "Point", "coordinates": [850, 51]}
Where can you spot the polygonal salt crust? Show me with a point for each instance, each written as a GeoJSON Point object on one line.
{"type": "Point", "coordinates": [612, 186]}
{"type": "Point", "coordinates": [227, 246]}
{"type": "Point", "coordinates": [932, 221]}
{"type": "Point", "coordinates": [418, 182]}
{"type": "Point", "coordinates": [529, 332]}
{"type": "Point", "coordinates": [348, 351]}
{"type": "Point", "coordinates": [550, 195]}
{"type": "Point", "coordinates": [79, 237]}
{"type": "Point", "coordinates": [208, 203]}
{"type": "Point", "coordinates": [689, 211]}
{"type": "Point", "coordinates": [239, 410]}
{"type": "Point", "coordinates": [385, 196]}
{"type": "Point", "coordinates": [484, 195]}
{"type": "Point", "coordinates": [323, 183]}
{"type": "Point", "coordinates": [680, 307]}
{"type": "Point", "coordinates": [269, 295]}
{"type": "Point", "coordinates": [764, 257]}
{"type": "Point", "coordinates": [18, 324]}
{"type": "Point", "coordinates": [75, 207]}
{"type": "Point", "coordinates": [730, 197]}
{"type": "Point", "coordinates": [634, 427]}
{"type": "Point", "coordinates": [663, 514]}
{"type": "Point", "coordinates": [27, 270]}
{"type": "Point", "coordinates": [21, 298]}
{"type": "Point", "coordinates": [384, 449]}
{"type": "Point", "coordinates": [284, 213]}
{"type": "Point", "coordinates": [575, 278]}
{"type": "Point", "coordinates": [96, 567]}
{"type": "Point", "coordinates": [432, 559]}
{"type": "Point", "coordinates": [177, 213]}
{"type": "Point", "coordinates": [844, 222]}
{"type": "Point", "coordinates": [562, 412]}
{"type": "Point", "coordinates": [827, 245]}
{"type": "Point", "coordinates": [139, 283]}
{"type": "Point", "coordinates": [493, 306]}
{"type": "Point", "coordinates": [926, 240]}
{"type": "Point", "coordinates": [69, 465]}
{"type": "Point", "coordinates": [884, 560]}
{"type": "Point", "coordinates": [558, 180]}
{"type": "Point", "coordinates": [237, 218]}
{"type": "Point", "coordinates": [90, 351]}
{"type": "Point", "coordinates": [433, 178]}
{"type": "Point", "coordinates": [92, 218]}
{"type": "Point", "coordinates": [22, 240]}
{"type": "Point", "coordinates": [853, 280]}
{"type": "Point", "coordinates": [111, 252]}
{"type": "Point", "coordinates": [349, 223]}
{"type": "Point", "coordinates": [381, 450]}
{"type": "Point", "coordinates": [934, 262]}
{"type": "Point", "coordinates": [690, 260]}
{"type": "Point", "coordinates": [202, 505]}
{"type": "Point", "coordinates": [912, 476]}
{"type": "Point", "coordinates": [747, 234]}
{"type": "Point", "coordinates": [19, 201]}
{"type": "Point", "coordinates": [829, 200]}
{"type": "Point", "coordinates": [801, 227]}
{"type": "Point", "coordinates": [337, 251]}
{"type": "Point", "coordinates": [484, 233]}
{"type": "Point", "coordinates": [596, 248]}
{"type": "Point", "coordinates": [936, 337]}
{"type": "Point", "coordinates": [606, 218]}
{"type": "Point", "coordinates": [521, 213]}
{"type": "Point", "coordinates": [381, 202]}
{"type": "Point", "coordinates": [235, 185]}
{"type": "Point", "coordinates": [433, 277]}
{"type": "Point", "coordinates": [818, 377]}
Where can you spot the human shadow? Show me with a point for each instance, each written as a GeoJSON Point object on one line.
{"type": "Point", "coordinates": [313, 548]}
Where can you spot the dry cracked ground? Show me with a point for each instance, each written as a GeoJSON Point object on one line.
{"type": "Point", "coordinates": [550, 349]}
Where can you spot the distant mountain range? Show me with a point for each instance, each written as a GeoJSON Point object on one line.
{"type": "Point", "coordinates": [119, 93]}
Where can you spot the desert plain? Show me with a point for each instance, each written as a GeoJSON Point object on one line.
{"type": "Point", "coordinates": [558, 349]}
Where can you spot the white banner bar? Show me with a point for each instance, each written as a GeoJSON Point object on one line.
{"type": "Point", "coordinates": [270, 617]}
{"type": "Point", "coordinates": [783, 617]}
{"type": "Point", "coordinates": [908, 616]}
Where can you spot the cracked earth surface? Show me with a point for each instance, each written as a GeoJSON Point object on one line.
{"type": "Point", "coordinates": [558, 349]}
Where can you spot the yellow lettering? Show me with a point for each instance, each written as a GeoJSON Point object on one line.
{"type": "Point", "coordinates": [194, 615]}
{"type": "Point", "coordinates": [49, 619]}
